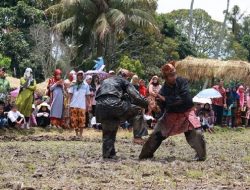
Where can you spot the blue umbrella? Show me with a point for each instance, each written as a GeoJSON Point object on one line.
{"type": "Point", "coordinates": [209, 93]}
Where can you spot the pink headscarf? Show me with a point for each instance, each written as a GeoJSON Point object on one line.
{"type": "Point", "coordinates": [241, 93]}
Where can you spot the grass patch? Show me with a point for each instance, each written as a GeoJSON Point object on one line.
{"type": "Point", "coordinates": [56, 163]}
{"type": "Point", "coordinates": [194, 174]}
{"type": "Point", "coordinates": [246, 159]}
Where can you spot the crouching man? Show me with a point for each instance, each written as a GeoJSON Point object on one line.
{"type": "Point", "coordinates": [179, 116]}
{"type": "Point", "coordinates": [117, 100]}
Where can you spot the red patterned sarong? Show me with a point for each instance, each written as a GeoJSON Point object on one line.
{"type": "Point", "coordinates": [175, 123]}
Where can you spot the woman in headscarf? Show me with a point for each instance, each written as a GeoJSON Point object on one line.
{"type": "Point", "coordinates": [26, 95]}
{"type": "Point", "coordinates": [242, 112]}
{"type": "Point", "coordinates": [153, 90]}
{"type": "Point", "coordinates": [248, 107]}
{"type": "Point", "coordinates": [56, 91]}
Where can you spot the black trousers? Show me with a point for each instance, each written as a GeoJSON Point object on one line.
{"type": "Point", "coordinates": [13, 124]}
{"type": "Point", "coordinates": [43, 121]}
{"type": "Point", "coordinates": [195, 139]}
{"type": "Point", "coordinates": [110, 113]}
{"type": "Point", "coordinates": [218, 111]}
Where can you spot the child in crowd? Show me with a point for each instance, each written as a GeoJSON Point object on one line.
{"type": "Point", "coordinates": [142, 88]}
{"type": "Point", "coordinates": [15, 118]}
{"type": "Point", "coordinates": [42, 117]}
{"type": "Point", "coordinates": [206, 116]}
{"type": "Point", "coordinates": [32, 119]}
{"type": "Point", "coordinates": [3, 119]}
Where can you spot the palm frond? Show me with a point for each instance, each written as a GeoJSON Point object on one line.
{"type": "Point", "coordinates": [142, 19]}
{"type": "Point", "coordinates": [127, 4]}
{"type": "Point", "coordinates": [54, 9]}
{"type": "Point", "coordinates": [69, 3]}
{"type": "Point", "coordinates": [65, 25]}
{"type": "Point", "coordinates": [101, 27]}
{"type": "Point", "coordinates": [116, 18]}
{"type": "Point", "coordinates": [88, 5]}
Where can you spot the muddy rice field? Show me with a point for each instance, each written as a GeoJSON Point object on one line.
{"type": "Point", "coordinates": [46, 160]}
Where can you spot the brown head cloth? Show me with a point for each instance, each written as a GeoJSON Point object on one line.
{"type": "Point", "coordinates": [168, 68]}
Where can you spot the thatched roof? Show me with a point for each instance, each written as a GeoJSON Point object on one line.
{"type": "Point", "coordinates": [197, 69]}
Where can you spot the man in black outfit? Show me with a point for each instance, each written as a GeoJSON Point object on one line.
{"type": "Point", "coordinates": [117, 100]}
{"type": "Point", "coordinates": [179, 116]}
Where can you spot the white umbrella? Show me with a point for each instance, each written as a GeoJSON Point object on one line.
{"type": "Point", "coordinates": [209, 93]}
{"type": "Point", "coordinates": [202, 100]}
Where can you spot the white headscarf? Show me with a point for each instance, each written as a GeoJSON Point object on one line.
{"type": "Point", "coordinates": [28, 73]}
{"type": "Point", "coordinates": [88, 77]}
{"type": "Point", "coordinates": [73, 73]}
{"type": "Point", "coordinates": [28, 77]}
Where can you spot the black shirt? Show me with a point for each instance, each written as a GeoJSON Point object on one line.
{"type": "Point", "coordinates": [178, 98]}
{"type": "Point", "coordinates": [120, 88]}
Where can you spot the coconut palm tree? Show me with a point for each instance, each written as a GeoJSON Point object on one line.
{"type": "Point", "coordinates": [91, 21]}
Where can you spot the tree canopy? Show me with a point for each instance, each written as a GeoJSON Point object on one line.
{"type": "Point", "coordinates": [45, 34]}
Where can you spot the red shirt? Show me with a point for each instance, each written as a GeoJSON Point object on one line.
{"type": "Point", "coordinates": [220, 101]}
{"type": "Point", "coordinates": [143, 90]}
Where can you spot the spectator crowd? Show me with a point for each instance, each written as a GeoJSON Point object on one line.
{"type": "Point", "coordinates": [71, 103]}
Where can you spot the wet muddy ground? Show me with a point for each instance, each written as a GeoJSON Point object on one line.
{"type": "Point", "coordinates": [40, 159]}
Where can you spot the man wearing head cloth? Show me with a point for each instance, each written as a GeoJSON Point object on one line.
{"type": "Point", "coordinates": [117, 100]}
{"type": "Point", "coordinates": [179, 116]}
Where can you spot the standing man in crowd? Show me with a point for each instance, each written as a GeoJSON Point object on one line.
{"type": "Point", "coordinates": [219, 103]}
{"type": "Point", "coordinates": [179, 116]}
{"type": "Point", "coordinates": [117, 100]}
{"type": "Point", "coordinates": [4, 86]}
{"type": "Point", "coordinates": [79, 98]}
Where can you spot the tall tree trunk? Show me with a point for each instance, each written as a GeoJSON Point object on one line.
{"type": "Point", "coordinates": [220, 40]}
{"type": "Point", "coordinates": [222, 32]}
{"type": "Point", "coordinates": [190, 30]}
{"type": "Point", "coordinates": [99, 48]}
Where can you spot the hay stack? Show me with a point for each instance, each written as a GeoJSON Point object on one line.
{"type": "Point", "coordinates": [42, 87]}
{"type": "Point", "coordinates": [197, 69]}
{"type": "Point", "coordinates": [14, 82]}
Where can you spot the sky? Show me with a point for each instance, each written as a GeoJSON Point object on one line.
{"type": "Point", "coordinates": [213, 7]}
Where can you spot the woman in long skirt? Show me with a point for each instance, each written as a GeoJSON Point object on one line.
{"type": "Point", "coordinates": [56, 91]}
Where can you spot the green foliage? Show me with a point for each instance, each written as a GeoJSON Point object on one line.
{"type": "Point", "coordinates": [238, 52]}
{"type": "Point", "coordinates": [246, 43]}
{"type": "Point", "coordinates": [93, 25]}
{"type": "Point", "coordinates": [16, 18]}
{"type": "Point", "coordinates": [132, 65]}
{"type": "Point", "coordinates": [205, 29]}
{"type": "Point", "coordinates": [5, 61]}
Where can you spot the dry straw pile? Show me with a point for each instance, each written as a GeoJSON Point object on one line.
{"type": "Point", "coordinates": [197, 69]}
